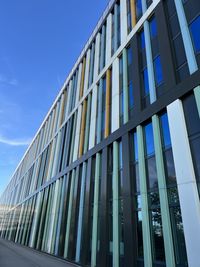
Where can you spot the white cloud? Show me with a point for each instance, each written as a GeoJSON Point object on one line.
{"type": "Point", "coordinates": [9, 81]}
{"type": "Point", "coordinates": [15, 142]}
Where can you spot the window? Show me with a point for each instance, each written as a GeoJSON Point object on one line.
{"type": "Point", "coordinates": [146, 81]}
{"type": "Point", "coordinates": [142, 40]}
{"type": "Point", "coordinates": [194, 29]}
{"type": "Point", "coordinates": [153, 27]}
{"type": "Point", "coordinates": [193, 129]}
{"type": "Point", "coordinates": [138, 4]}
{"type": "Point", "coordinates": [158, 71]}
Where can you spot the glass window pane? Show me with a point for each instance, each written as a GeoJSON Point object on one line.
{"type": "Point", "coordinates": [152, 173]}
{"type": "Point", "coordinates": [142, 40]}
{"type": "Point", "coordinates": [158, 71]}
{"type": "Point", "coordinates": [146, 81]}
{"type": "Point", "coordinates": [153, 28]}
{"type": "Point", "coordinates": [194, 29]}
{"type": "Point", "coordinates": [165, 130]}
{"type": "Point", "coordinates": [131, 96]}
{"type": "Point", "coordinates": [191, 115]}
{"type": "Point", "coordinates": [149, 139]}
{"type": "Point", "coordinates": [138, 4]}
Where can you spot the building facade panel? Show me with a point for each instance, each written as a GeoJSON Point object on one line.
{"type": "Point", "coordinates": [112, 177]}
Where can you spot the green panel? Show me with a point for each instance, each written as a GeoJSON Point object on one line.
{"type": "Point", "coordinates": [95, 211]}
{"type": "Point", "coordinates": [164, 205]}
{"type": "Point", "coordinates": [144, 200]}
{"type": "Point", "coordinates": [56, 216]}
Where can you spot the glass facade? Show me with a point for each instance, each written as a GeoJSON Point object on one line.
{"type": "Point", "coordinates": [112, 175]}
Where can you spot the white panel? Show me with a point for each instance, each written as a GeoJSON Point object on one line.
{"type": "Point", "coordinates": [78, 84]}
{"type": "Point", "coordinates": [115, 95]}
{"type": "Point", "coordinates": [96, 59]}
{"type": "Point", "coordinates": [87, 71]}
{"type": "Point", "coordinates": [123, 20]}
{"type": "Point", "coordinates": [108, 37]}
{"type": "Point", "coordinates": [93, 118]}
{"type": "Point", "coordinates": [187, 188]}
{"type": "Point", "coordinates": [77, 135]}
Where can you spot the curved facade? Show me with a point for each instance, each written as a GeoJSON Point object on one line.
{"type": "Point", "coordinates": [112, 175]}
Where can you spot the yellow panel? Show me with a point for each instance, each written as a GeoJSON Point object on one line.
{"type": "Point", "coordinates": [133, 12]}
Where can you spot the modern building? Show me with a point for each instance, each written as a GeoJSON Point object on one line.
{"type": "Point", "coordinates": [112, 177]}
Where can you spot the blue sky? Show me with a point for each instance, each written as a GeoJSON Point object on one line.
{"type": "Point", "coordinates": [40, 42]}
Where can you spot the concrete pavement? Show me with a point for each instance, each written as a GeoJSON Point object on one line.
{"type": "Point", "coordinates": [14, 255]}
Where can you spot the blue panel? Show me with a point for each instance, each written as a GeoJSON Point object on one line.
{"type": "Point", "coordinates": [195, 32]}
{"type": "Point", "coordinates": [158, 71]}
{"type": "Point", "coordinates": [138, 4]}
{"type": "Point", "coordinates": [130, 94]}
{"type": "Point", "coordinates": [146, 81]}
{"type": "Point", "coordinates": [142, 40]}
{"type": "Point", "coordinates": [129, 56]}
{"type": "Point", "coordinates": [165, 130]}
{"type": "Point", "coordinates": [149, 139]}
{"type": "Point", "coordinates": [153, 27]}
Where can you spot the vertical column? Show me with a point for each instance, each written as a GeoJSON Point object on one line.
{"type": "Point", "coordinates": [189, 50]}
{"type": "Point", "coordinates": [95, 211]}
{"type": "Point", "coordinates": [80, 216]}
{"type": "Point", "coordinates": [78, 84]}
{"type": "Point", "coordinates": [96, 58]}
{"type": "Point", "coordinates": [82, 134]}
{"type": "Point", "coordinates": [123, 20]}
{"type": "Point", "coordinates": [87, 124]}
{"type": "Point", "coordinates": [73, 138]}
{"type": "Point", "coordinates": [197, 97]}
{"type": "Point", "coordinates": [52, 222]}
{"type": "Point", "coordinates": [130, 254]}
{"type": "Point", "coordinates": [133, 13]}
{"type": "Point", "coordinates": [125, 85]}
{"type": "Point", "coordinates": [35, 220]}
{"type": "Point", "coordinates": [102, 50]}
{"type": "Point", "coordinates": [150, 69]}
{"type": "Point", "coordinates": [99, 118]}
{"type": "Point", "coordinates": [57, 150]}
{"type": "Point", "coordinates": [91, 67]}
{"type": "Point", "coordinates": [103, 221]}
{"type": "Point", "coordinates": [93, 118]}
{"type": "Point", "coordinates": [115, 183]}
{"type": "Point", "coordinates": [87, 67]}
{"type": "Point", "coordinates": [165, 46]}
{"type": "Point", "coordinates": [115, 95]}
{"type": "Point", "coordinates": [69, 97]}
{"type": "Point", "coordinates": [77, 135]}
{"type": "Point", "coordinates": [186, 181]}
{"type": "Point", "coordinates": [108, 100]}
{"type": "Point", "coordinates": [82, 78]}
{"type": "Point", "coordinates": [69, 215]}
{"type": "Point", "coordinates": [164, 205]}
{"type": "Point", "coordinates": [108, 37]}
{"type": "Point", "coordinates": [115, 27]}
{"type": "Point", "coordinates": [144, 199]}
{"type": "Point", "coordinates": [86, 216]}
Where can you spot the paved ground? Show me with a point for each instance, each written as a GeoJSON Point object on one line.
{"type": "Point", "coordinates": [13, 255]}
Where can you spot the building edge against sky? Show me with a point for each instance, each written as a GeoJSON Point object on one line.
{"type": "Point", "coordinates": [112, 175]}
